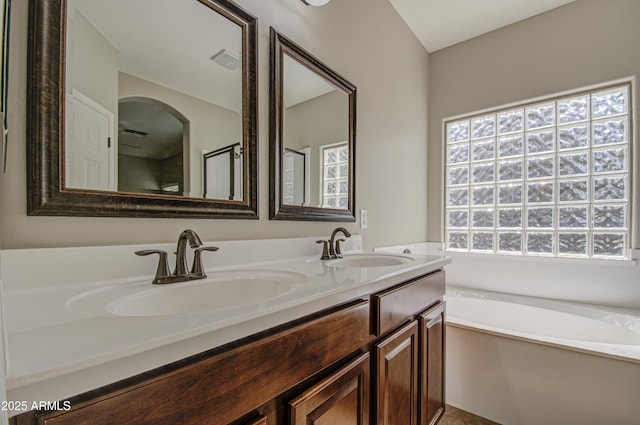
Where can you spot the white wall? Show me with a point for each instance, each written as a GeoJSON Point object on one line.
{"type": "Point", "coordinates": [363, 40]}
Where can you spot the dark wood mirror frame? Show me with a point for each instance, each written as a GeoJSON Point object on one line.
{"type": "Point", "coordinates": [281, 45]}
{"type": "Point", "coordinates": [47, 194]}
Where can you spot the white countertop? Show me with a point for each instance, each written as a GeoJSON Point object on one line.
{"type": "Point", "coordinates": [57, 350]}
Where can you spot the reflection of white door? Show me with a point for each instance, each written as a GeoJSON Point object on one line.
{"type": "Point", "coordinates": [218, 174]}
{"type": "Point", "coordinates": [90, 145]}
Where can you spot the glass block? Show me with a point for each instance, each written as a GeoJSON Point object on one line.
{"type": "Point", "coordinates": [611, 102]}
{"type": "Point", "coordinates": [458, 153]}
{"type": "Point", "coordinates": [343, 170]}
{"type": "Point", "coordinates": [608, 132]}
{"type": "Point", "coordinates": [540, 142]}
{"type": "Point", "coordinates": [607, 160]}
{"type": "Point", "coordinates": [484, 127]}
{"type": "Point", "coordinates": [458, 131]}
{"type": "Point", "coordinates": [609, 188]}
{"type": "Point", "coordinates": [573, 217]}
{"type": "Point", "coordinates": [510, 194]}
{"type": "Point", "coordinates": [540, 167]}
{"type": "Point", "coordinates": [510, 121]}
{"type": "Point", "coordinates": [458, 240]}
{"type": "Point", "coordinates": [343, 202]}
{"type": "Point", "coordinates": [510, 217]}
{"type": "Point", "coordinates": [482, 241]}
{"type": "Point", "coordinates": [609, 244]}
{"type": "Point", "coordinates": [573, 190]}
{"type": "Point", "coordinates": [330, 156]}
{"type": "Point", "coordinates": [330, 202]}
{"type": "Point", "coordinates": [483, 173]}
{"type": "Point", "coordinates": [458, 197]}
{"type": "Point", "coordinates": [540, 192]}
{"type": "Point", "coordinates": [510, 170]}
{"type": "Point", "coordinates": [572, 243]}
{"type": "Point", "coordinates": [482, 218]}
{"type": "Point", "coordinates": [483, 195]}
{"type": "Point", "coordinates": [510, 241]}
{"type": "Point", "coordinates": [458, 218]}
{"type": "Point", "coordinates": [609, 216]}
{"type": "Point", "coordinates": [458, 175]}
{"type": "Point", "coordinates": [343, 153]}
{"type": "Point", "coordinates": [510, 146]}
{"type": "Point", "coordinates": [541, 115]}
{"type": "Point", "coordinates": [484, 150]}
{"type": "Point", "coordinates": [540, 217]}
{"type": "Point", "coordinates": [331, 172]}
{"type": "Point", "coordinates": [573, 137]}
{"type": "Point", "coordinates": [574, 109]}
{"type": "Point", "coordinates": [540, 243]}
{"type": "Point", "coordinates": [573, 164]}
{"type": "Point", "coordinates": [330, 188]}
{"type": "Point", "coordinates": [343, 186]}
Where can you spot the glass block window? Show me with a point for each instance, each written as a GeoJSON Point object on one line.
{"type": "Point", "coordinates": [550, 178]}
{"type": "Point", "coordinates": [335, 176]}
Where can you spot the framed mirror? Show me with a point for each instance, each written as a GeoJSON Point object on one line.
{"type": "Point", "coordinates": [312, 137]}
{"type": "Point", "coordinates": [128, 101]}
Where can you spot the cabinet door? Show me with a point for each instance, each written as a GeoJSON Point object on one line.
{"type": "Point", "coordinates": [397, 377]}
{"type": "Point", "coordinates": [341, 398]}
{"type": "Point", "coordinates": [432, 356]}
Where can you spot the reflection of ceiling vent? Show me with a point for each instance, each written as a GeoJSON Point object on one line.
{"type": "Point", "coordinates": [227, 59]}
{"type": "Point", "coordinates": [135, 133]}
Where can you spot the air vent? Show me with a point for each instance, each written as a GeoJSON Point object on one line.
{"type": "Point", "coordinates": [134, 133]}
{"type": "Point", "coordinates": [227, 59]}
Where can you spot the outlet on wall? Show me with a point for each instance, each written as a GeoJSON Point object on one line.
{"type": "Point", "coordinates": [363, 219]}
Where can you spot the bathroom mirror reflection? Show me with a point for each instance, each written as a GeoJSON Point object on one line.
{"type": "Point", "coordinates": [312, 137]}
{"type": "Point", "coordinates": [148, 91]}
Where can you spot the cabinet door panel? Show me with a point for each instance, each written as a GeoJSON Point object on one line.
{"type": "Point", "coordinates": [397, 377]}
{"type": "Point", "coordinates": [341, 398]}
{"type": "Point", "coordinates": [432, 341]}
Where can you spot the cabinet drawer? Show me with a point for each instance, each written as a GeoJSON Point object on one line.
{"type": "Point", "coordinates": [392, 306]}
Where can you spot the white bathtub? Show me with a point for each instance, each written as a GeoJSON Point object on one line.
{"type": "Point", "coordinates": [521, 360]}
{"type": "Point", "coordinates": [598, 330]}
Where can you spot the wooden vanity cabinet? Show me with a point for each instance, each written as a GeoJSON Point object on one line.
{"type": "Point", "coordinates": [378, 359]}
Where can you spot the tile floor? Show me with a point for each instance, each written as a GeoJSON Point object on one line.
{"type": "Point", "coordinates": [454, 416]}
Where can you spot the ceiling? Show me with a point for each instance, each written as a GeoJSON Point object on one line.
{"type": "Point", "coordinates": [442, 23]}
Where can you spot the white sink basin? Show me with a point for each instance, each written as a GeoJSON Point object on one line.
{"type": "Point", "coordinates": [369, 260]}
{"type": "Point", "coordinates": [219, 292]}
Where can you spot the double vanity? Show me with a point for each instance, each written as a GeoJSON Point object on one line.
{"type": "Point", "coordinates": [272, 335]}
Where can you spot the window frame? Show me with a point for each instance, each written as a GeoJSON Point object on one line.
{"type": "Point", "coordinates": [630, 201]}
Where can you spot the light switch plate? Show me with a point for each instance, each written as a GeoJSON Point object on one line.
{"type": "Point", "coordinates": [363, 219]}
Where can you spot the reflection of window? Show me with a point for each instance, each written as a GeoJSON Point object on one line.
{"type": "Point", "coordinates": [546, 178]}
{"type": "Point", "coordinates": [335, 175]}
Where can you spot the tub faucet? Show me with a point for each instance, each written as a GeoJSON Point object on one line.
{"type": "Point", "coordinates": [334, 246]}
{"type": "Point", "coordinates": [181, 273]}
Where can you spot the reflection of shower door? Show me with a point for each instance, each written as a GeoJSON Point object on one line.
{"type": "Point", "coordinates": [90, 152]}
{"type": "Point", "coordinates": [295, 191]}
{"type": "Point", "coordinates": [223, 173]}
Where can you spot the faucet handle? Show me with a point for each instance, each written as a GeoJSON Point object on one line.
{"type": "Point", "coordinates": [162, 272]}
{"type": "Point", "coordinates": [197, 270]}
{"type": "Point", "coordinates": [325, 249]}
{"type": "Point", "coordinates": [338, 252]}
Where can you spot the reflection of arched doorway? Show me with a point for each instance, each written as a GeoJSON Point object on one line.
{"type": "Point", "coordinates": [153, 146]}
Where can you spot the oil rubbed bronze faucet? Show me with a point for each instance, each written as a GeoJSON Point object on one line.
{"type": "Point", "coordinates": [181, 273]}
{"type": "Point", "coordinates": [331, 248]}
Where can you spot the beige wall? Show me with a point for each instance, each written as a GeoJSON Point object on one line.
{"type": "Point", "coordinates": [366, 42]}
{"type": "Point", "coordinates": [583, 43]}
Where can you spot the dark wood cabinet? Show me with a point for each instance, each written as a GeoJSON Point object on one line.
{"type": "Point", "coordinates": [396, 364]}
{"type": "Point", "coordinates": [432, 367]}
{"type": "Point", "coordinates": [341, 398]}
{"type": "Point", "coordinates": [378, 359]}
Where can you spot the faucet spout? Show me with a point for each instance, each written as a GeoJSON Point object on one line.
{"type": "Point", "coordinates": [333, 252]}
{"type": "Point", "coordinates": [182, 267]}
